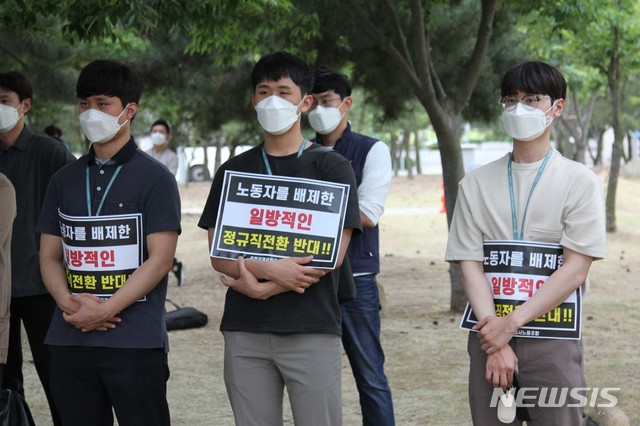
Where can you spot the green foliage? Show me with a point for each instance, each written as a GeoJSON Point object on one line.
{"type": "Point", "coordinates": [195, 56]}
{"type": "Point", "coordinates": [506, 49]}
{"type": "Point", "coordinates": [577, 36]}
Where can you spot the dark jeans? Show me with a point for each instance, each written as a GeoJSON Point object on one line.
{"type": "Point", "coordinates": [361, 341]}
{"type": "Point", "coordinates": [87, 382]}
{"type": "Point", "coordinates": [35, 313]}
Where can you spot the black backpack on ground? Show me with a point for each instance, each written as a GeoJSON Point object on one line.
{"type": "Point", "coordinates": [183, 318]}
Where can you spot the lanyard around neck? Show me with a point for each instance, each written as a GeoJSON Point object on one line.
{"type": "Point", "coordinates": [266, 160]}
{"type": "Point", "coordinates": [514, 218]}
{"type": "Point", "coordinates": [104, 195]}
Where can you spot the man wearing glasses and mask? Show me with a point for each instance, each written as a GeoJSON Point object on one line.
{"type": "Point", "coordinates": [507, 213]}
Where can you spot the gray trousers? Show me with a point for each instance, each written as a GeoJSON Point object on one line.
{"type": "Point", "coordinates": [549, 363]}
{"type": "Point", "coordinates": [257, 367]}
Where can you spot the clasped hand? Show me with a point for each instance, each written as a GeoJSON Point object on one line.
{"type": "Point", "coordinates": [500, 367]}
{"type": "Point", "coordinates": [494, 333]}
{"type": "Point", "coordinates": [87, 313]}
{"type": "Point", "coordinates": [285, 274]}
{"type": "Point", "coordinates": [291, 273]}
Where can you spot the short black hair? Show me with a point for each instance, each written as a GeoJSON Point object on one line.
{"type": "Point", "coordinates": [53, 131]}
{"type": "Point", "coordinates": [327, 79]}
{"type": "Point", "coordinates": [17, 83]}
{"type": "Point", "coordinates": [161, 122]}
{"type": "Point", "coordinates": [110, 78]}
{"type": "Point", "coordinates": [534, 77]}
{"type": "Point", "coordinates": [277, 65]}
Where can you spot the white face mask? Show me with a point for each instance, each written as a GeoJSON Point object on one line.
{"type": "Point", "coordinates": [325, 120]}
{"type": "Point", "coordinates": [9, 117]}
{"type": "Point", "coordinates": [526, 123]}
{"type": "Point", "coordinates": [158, 138]}
{"type": "Point", "coordinates": [277, 115]}
{"type": "Point", "coordinates": [100, 127]}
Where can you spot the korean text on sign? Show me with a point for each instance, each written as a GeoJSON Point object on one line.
{"type": "Point", "coordinates": [100, 252]}
{"type": "Point", "coordinates": [515, 270]}
{"type": "Point", "coordinates": [271, 217]}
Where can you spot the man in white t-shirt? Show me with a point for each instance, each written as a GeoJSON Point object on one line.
{"type": "Point", "coordinates": [160, 135]}
{"type": "Point", "coordinates": [532, 195]}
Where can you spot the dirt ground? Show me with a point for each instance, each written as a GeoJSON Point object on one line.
{"type": "Point", "coordinates": [426, 351]}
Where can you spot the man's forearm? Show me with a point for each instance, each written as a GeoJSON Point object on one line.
{"type": "Point", "coordinates": [477, 289]}
{"type": "Point", "coordinates": [55, 281]}
{"type": "Point", "coordinates": [366, 222]}
{"type": "Point", "coordinates": [560, 285]}
{"type": "Point", "coordinates": [161, 246]}
{"type": "Point", "coordinates": [138, 285]}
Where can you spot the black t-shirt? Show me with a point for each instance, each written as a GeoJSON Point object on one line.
{"type": "Point", "coordinates": [317, 310]}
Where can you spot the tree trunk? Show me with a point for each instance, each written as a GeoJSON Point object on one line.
{"type": "Point", "coordinates": [600, 148]}
{"type": "Point", "coordinates": [561, 145]}
{"type": "Point", "coordinates": [448, 133]}
{"type": "Point", "coordinates": [458, 297]}
{"type": "Point", "coordinates": [616, 154]}
{"type": "Point", "coordinates": [416, 145]}
{"type": "Point", "coordinates": [395, 160]}
{"type": "Point", "coordinates": [580, 131]}
{"type": "Point", "coordinates": [598, 159]}
{"type": "Point", "coordinates": [628, 156]}
{"type": "Point", "coordinates": [612, 187]}
{"type": "Point", "coordinates": [205, 158]}
{"type": "Point", "coordinates": [406, 143]}
{"type": "Point", "coordinates": [218, 139]}
{"type": "Point", "coordinates": [581, 148]}
{"type": "Point", "coordinates": [415, 62]}
{"type": "Point", "coordinates": [233, 145]}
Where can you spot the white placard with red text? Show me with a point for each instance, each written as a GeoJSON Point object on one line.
{"type": "Point", "coordinates": [515, 270]}
{"type": "Point", "coordinates": [272, 217]}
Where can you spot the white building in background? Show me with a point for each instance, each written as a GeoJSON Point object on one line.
{"type": "Point", "coordinates": [191, 164]}
{"type": "Point", "coordinates": [473, 155]}
{"type": "Point", "coordinates": [607, 146]}
{"type": "Point", "coordinates": [191, 167]}
{"type": "Point", "coordinates": [476, 155]}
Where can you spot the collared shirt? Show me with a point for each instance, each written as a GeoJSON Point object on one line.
{"type": "Point", "coordinates": [142, 187]}
{"type": "Point", "coordinates": [29, 164]}
{"type": "Point", "coordinates": [166, 157]}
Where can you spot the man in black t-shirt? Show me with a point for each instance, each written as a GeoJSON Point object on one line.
{"type": "Point", "coordinates": [282, 320]}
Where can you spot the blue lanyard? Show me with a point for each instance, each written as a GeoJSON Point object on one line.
{"type": "Point", "coordinates": [104, 195]}
{"type": "Point", "coordinates": [514, 219]}
{"type": "Point", "coordinates": [266, 160]}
